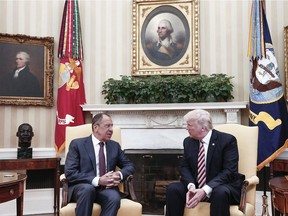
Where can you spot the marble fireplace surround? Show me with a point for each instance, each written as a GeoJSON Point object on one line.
{"type": "Point", "coordinates": [161, 126]}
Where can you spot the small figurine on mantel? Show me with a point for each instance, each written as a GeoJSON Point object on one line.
{"type": "Point", "coordinates": [24, 134]}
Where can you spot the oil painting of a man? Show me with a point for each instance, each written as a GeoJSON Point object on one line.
{"type": "Point", "coordinates": [20, 82]}
{"type": "Point", "coordinates": [165, 37]}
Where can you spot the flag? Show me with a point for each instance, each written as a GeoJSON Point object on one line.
{"type": "Point", "coordinates": [71, 93]}
{"type": "Point", "coordinates": [267, 108]}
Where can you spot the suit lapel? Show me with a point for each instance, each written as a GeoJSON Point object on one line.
{"type": "Point", "coordinates": [211, 149]}
{"type": "Point", "coordinates": [194, 151]}
{"type": "Point", "coordinates": [90, 151]}
{"type": "Point", "coordinates": [108, 150]}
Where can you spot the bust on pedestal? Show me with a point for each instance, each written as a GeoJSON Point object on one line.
{"type": "Point", "coordinates": [24, 134]}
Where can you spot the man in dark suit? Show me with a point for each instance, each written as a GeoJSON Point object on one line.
{"type": "Point", "coordinates": [82, 169]}
{"type": "Point", "coordinates": [223, 182]}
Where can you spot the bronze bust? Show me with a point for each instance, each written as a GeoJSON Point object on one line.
{"type": "Point", "coordinates": [24, 134]}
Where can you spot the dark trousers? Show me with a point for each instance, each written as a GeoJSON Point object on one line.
{"type": "Point", "coordinates": [221, 199]}
{"type": "Point", "coordinates": [86, 194]}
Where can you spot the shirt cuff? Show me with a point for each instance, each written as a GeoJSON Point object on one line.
{"type": "Point", "coordinates": [121, 175]}
{"type": "Point", "coordinates": [207, 190]}
{"type": "Point", "coordinates": [95, 182]}
{"type": "Point", "coordinates": [190, 185]}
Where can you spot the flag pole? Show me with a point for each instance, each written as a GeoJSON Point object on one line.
{"type": "Point", "coordinates": [265, 211]}
{"type": "Point", "coordinates": [265, 182]}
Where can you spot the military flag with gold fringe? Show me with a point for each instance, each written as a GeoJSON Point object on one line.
{"type": "Point", "coordinates": [267, 108]}
{"type": "Point", "coordinates": [71, 93]}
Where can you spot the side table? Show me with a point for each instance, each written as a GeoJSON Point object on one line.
{"type": "Point", "coordinates": [12, 187]}
{"type": "Point", "coordinates": [279, 194]}
{"type": "Point", "coordinates": [278, 165]}
{"type": "Point", "coordinates": [37, 164]}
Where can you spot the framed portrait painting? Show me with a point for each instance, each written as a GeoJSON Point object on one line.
{"type": "Point", "coordinates": [165, 37]}
{"type": "Point", "coordinates": [26, 70]}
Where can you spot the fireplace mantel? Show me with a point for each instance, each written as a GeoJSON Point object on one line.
{"type": "Point", "coordinates": [161, 125]}
{"type": "Point", "coordinates": [164, 106]}
{"type": "Point", "coordinates": [162, 115]}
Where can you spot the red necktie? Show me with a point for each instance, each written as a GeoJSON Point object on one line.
{"type": "Point", "coordinates": [102, 165]}
{"type": "Point", "coordinates": [201, 165]}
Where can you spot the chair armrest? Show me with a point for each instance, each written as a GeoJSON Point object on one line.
{"type": "Point", "coordinates": [254, 180]}
{"type": "Point", "coordinates": [129, 188]}
{"type": "Point", "coordinates": [64, 182]}
{"type": "Point", "coordinates": [250, 182]}
{"type": "Point", "coordinates": [62, 176]}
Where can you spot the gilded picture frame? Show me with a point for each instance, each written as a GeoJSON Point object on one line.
{"type": "Point", "coordinates": [181, 52]}
{"type": "Point", "coordinates": [286, 59]}
{"type": "Point", "coordinates": [26, 70]}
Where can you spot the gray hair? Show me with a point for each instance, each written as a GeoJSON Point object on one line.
{"type": "Point", "coordinates": [97, 119]}
{"type": "Point", "coordinates": [167, 24]}
{"type": "Point", "coordinates": [25, 56]}
{"type": "Point", "coordinates": [202, 117]}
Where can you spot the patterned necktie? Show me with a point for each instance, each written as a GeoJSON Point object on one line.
{"type": "Point", "coordinates": [201, 165]}
{"type": "Point", "coordinates": [102, 165]}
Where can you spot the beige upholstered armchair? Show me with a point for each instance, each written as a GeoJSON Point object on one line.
{"type": "Point", "coordinates": [247, 138]}
{"type": "Point", "coordinates": [129, 207]}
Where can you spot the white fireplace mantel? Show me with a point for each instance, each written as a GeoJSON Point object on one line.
{"type": "Point", "coordinates": [164, 106]}
{"type": "Point", "coordinates": [166, 115]}
{"type": "Point", "coordinates": [156, 126]}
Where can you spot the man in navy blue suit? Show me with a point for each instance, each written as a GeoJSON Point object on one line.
{"type": "Point", "coordinates": [82, 169]}
{"type": "Point", "coordinates": [223, 182]}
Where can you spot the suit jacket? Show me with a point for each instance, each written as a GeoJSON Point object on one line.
{"type": "Point", "coordinates": [80, 165]}
{"type": "Point", "coordinates": [221, 162]}
{"type": "Point", "coordinates": [26, 84]}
